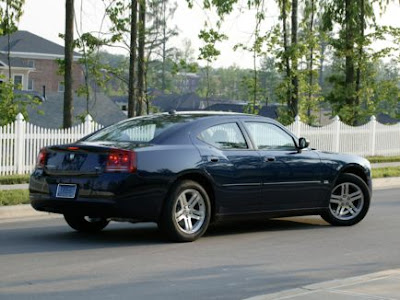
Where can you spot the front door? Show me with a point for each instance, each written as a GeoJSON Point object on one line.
{"type": "Point", "coordinates": [234, 167]}
{"type": "Point", "coordinates": [291, 179]}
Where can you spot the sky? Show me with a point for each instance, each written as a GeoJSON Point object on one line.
{"type": "Point", "coordinates": [46, 18]}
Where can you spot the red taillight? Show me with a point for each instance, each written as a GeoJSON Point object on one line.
{"type": "Point", "coordinates": [121, 161]}
{"type": "Point", "coordinates": [41, 160]}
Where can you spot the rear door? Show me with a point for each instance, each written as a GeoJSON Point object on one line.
{"type": "Point", "coordinates": [291, 179]}
{"type": "Point", "coordinates": [234, 166]}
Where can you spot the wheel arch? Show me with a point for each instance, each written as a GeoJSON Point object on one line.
{"type": "Point", "coordinates": [354, 169]}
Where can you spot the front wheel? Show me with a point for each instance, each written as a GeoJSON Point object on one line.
{"type": "Point", "coordinates": [186, 213]}
{"type": "Point", "coordinates": [349, 201]}
{"type": "Point", "coordinates": [86, 224]}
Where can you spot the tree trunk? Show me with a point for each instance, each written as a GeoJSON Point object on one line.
{"type": "Point", "coordinates": [69, 52]}
{"type": "Point", "coordinates": [132, 61]}
{"type": "Point", "coordinates": [360, 58]}
{"type": "Point", "coordinates": [349, 51]}
{"type": "Point", "coordinates": [286, 54]}
{"type": "Point", "coordinates": [311, 64]}
{"type": "Point", "coordinates": [141, 62]}
{"type": "Point", "coordinates": [8, 30]}
{"type": "Point", "coordinates": [295, 79]}
{"type": "Point", "coordinates": [164, 46]}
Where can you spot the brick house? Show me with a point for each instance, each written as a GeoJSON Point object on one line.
{"type": "Point", "coordinates": [33, 63]}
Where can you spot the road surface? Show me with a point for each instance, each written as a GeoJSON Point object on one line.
{"type": "Point", "coordinates": [45, 259]}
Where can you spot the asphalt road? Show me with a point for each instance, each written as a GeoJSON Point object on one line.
{"type": "Point", "coordinates": [44, 259]}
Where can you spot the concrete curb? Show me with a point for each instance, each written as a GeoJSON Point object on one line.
{"type": "Point", "coordinates": [21, 186]}
{"type": "Point", "coordinates": [336, 286]}
{"type": "Point", "coordinates": [15, 212]}
{"type": "Point", "coordinates": [386, 183]}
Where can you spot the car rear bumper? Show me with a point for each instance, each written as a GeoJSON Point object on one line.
{"type": "Point", "coordinates": [106, 195]}
{"type": "Point", "coordinates": [93, 207]}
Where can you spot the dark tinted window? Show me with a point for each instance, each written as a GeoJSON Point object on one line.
{"type": "Point", "coordinates": [269, 136]}
{"type": "Point", "coordinates": [139, 129]}
{"type": "Point", "coordinates": [224, 136]}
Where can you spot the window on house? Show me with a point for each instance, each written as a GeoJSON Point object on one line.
{"type": "Point", "coordinates": [18, 81]}
{"type": "Point", "coordinates": [30, 84]}
{"type": "Point", "coordinates": [30, 63]}
{"type": "Point", "coordinates": [61, 87]}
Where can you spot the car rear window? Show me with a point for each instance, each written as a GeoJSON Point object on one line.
{"type": "Point", "coordinates": [139, 129]}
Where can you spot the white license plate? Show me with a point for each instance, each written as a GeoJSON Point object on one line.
{"type": "Point", "coordinates": [66, 191]}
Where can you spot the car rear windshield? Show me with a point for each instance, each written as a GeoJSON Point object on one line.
{"type": "Point", "coordinates": [139, 129]}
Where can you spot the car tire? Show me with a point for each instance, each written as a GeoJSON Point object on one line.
{"type": "Point", "coordinates": [86, 224]}
{"type": "Point", "coordinates": [349, 201]}
{"type": "Point", "coordinates": [186, 213]}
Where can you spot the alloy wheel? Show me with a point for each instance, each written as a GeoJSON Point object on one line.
{"type": "Point", "coordinates": [347, 201]}
{"type": "Point", "coordinates": [190, 211]}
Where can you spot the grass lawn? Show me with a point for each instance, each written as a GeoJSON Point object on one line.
{"type": "Point", "coordinates": [386, 172]}
{"type": "Point", "coordinates": [383, 159]}
{"type": "Point", "coordinates": [14, 179]}
{"type": "Point", "coordinates": [14, 197]}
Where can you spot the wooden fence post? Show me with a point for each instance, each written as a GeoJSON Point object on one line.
{"type": "Point", "coordinates": [337, 134]}
{"type": "Point", "coordinates": [88, 127]}
{"type": "Point", "coordinates": [19, 144]}
{"type": "Point", "coordinates": [373, 137]}
{"type": "Point", "coordinates": [297, 126]}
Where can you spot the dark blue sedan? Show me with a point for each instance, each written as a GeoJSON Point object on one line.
{"type": "Point", "coordinates": [184, 170]}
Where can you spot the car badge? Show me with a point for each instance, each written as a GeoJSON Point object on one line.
{"type": "Point", "coordinates": [71, 156]}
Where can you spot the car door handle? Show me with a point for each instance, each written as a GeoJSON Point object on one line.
{"type": "Point", "coordinates": [213, 159]}
{"type": "Point", "coordinates": [269, 158]}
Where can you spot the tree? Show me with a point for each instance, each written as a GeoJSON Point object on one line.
{"type": "Point", "coordinates": [69, 52]}
{"type": "Point", "coordinates": [132, 60]}
{"type": "Point", "coordinates": [10, 12]}
{"type": "Point", "coordinates": [294, 56]}
{"type": "Point", "coordinates": [141, 93]}
{"type": "Point", "coordinates": [351, 17]}
{"type": "Point", "coordinates": [123, 17]}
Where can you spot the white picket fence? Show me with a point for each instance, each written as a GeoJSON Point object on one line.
{"type": "Point", "coordinates": [369, 139]}
{"type": "Point", "coordinates": [21, 141]}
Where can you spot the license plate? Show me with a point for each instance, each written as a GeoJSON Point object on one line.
{"type": "Point", "coordinates": [66, 191]}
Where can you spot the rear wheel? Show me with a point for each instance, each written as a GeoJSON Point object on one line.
{"type": "Point", "coordinates": [349, 201]}
{"type": "Point", "coordinates": [85, 223]}
{"type": "Point", "coordinates": [186, 213]}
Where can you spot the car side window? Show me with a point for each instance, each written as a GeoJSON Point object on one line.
{"type": "Point", "coordinates": [268, 136]}
{"type": "Point", "coordinates": [224, 136]}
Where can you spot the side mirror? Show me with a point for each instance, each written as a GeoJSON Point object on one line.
{"type": "Point", "coordinates": [303, 143]}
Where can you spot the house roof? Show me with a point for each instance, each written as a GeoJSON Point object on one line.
{"type": "Point", "coordinates": [16, 62]}
{"type": "Point", "coordinates": [24, 43]}
{"type": "Point", "coordinates": [49, 114]}
{"type": "Point", "coordinates": [167, 102]}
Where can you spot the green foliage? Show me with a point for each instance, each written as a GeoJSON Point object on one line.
{"type": "Point", "coordinates": [386, 172]}
{"type": "Point", "coordinates": [11, 104]}
{"type": "Point", "coordinates": [14, 179]}
{"type": "Point", "coordinates": [14, 197]}
{"type": "Point", "coordinates": [383, 159]}
{"type": "Point", "coordinates": [210, 37]}
{"type": "Point", "coordinates": [10, 12]}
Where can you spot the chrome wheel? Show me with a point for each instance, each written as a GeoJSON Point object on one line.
{"type": "Point", "coordinates": [347, 201]}
{"type": "Point", "coordinates": [190, 211]}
